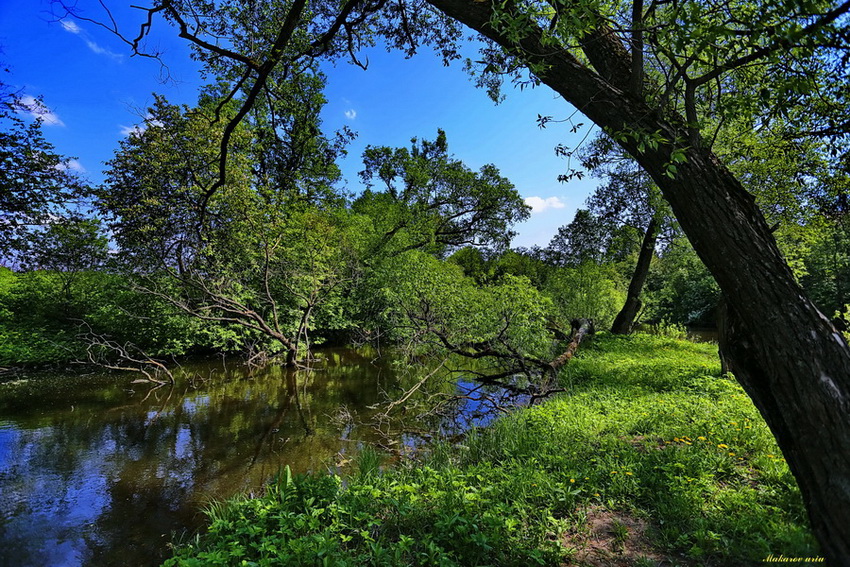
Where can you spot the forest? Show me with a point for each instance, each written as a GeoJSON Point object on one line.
{"type": "Point", "coordinates": [225, 228]}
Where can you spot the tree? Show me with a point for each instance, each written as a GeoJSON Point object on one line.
{"type": "Point", "coordinates": [787, 355]}
{"type": "Point", "coordinates": [67, 246]}
{"type": "Point", "coordinates": [263, 250]}
{"type": "Point", "coordinates": [432, 306]}
{"type": "Point", "coordinates": [584, 239]}
{"type": "Point", "coordinates": [35, 181]}
{"type": "Point", "coordinates": [434, 202]}
{"type": "Point", "coordinates": [628, 198]}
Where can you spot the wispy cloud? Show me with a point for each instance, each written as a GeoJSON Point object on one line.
{"type": "Point", "coordinates": [71, 165]}
{"type": "Point", "coordinates": [71, 26]}
{"type": "Point", "coordinates": [539, 204]}
{"type": "Point", "coordinates": [134, 130]}
{"type": "Point", "coordinates": [351, 114]}
{"type": "Point", "coordinates": [37, 110]}
{"type": "Point", "coordinates": [139, 129]}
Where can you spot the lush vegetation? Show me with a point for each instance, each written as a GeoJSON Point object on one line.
{"type": "Point", "coordinates": [223, 226]}
{"type": "Point", "coordinates": [648, 435]}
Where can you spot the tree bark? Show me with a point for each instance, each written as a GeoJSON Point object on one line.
{"type": "Point", "coordinates": [625, 319]}
{"type": "Point", "coordinates": [581, 328]}
{"type": "Point", "coordinates": [786, 354]}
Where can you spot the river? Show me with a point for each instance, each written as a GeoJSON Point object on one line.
{"type": "Point", "coordinates": [98, 470]}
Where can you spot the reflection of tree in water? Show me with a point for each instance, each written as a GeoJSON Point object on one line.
{"type": "Point", "coordinates": [130, 469]}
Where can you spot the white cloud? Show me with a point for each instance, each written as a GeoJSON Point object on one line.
{"type": "Point", "coordinates": [37, 110]}
{"type": "Point", "coordinates": [351, 114]}
{"type": "Point", "coordinates": [71, 165]}
{"type": "Point", "coordinates": [71, 26]}
{"type": "Point", "coordinates": [539, 204]}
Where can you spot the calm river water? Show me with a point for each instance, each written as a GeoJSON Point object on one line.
{"type": "Point", "coordinates": [97, 470]}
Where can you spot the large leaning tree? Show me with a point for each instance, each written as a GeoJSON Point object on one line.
{"type": "Point", "coordinates": [661, 77]}
{"type": "Point", "coordinates": [657, 77]}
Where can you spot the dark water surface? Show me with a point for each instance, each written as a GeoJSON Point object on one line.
{"type": "Point", "coordinates": [96, 470]}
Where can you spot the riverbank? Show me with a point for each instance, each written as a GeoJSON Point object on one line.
{"type": "Point", "coordinates": [649, 458]}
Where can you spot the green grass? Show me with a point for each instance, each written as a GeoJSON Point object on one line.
{"type": "Point", "coordinates": [647, 429]}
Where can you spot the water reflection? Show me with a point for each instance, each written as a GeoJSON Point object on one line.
{"type": "Point", "coordinates": [98, 470]}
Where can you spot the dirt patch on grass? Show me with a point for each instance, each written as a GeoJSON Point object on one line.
{"type": "Point", "coordinates": [616, 539]}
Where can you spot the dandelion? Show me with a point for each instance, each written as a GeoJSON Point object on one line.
{"type": "Point", "coordinates": [731, 454]}
{"type": "Point", "coordinates": [701, 438]}
{"type": "Point", "coordinates": [723, 446]}
{"type": "Point", "coordinates": [628, 473]}
{"type": "Point", "coordinates": [771, 456]}
{"type": "Point", "coordinates": [596, 494]}
{"type": "Point", "coordinates": [572, 480]}
{"type": "Point", "coordinates": [613, 472]}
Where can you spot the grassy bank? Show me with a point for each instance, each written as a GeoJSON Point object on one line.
{"type": "Point", "coordinates": [649, 457]}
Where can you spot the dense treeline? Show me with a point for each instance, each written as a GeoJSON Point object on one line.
{"type": "Point", "coordinates": [283, 260]}
{"type": "Point", "coordinates": [288, 262]}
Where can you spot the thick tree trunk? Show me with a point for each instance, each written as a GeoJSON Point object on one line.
{"type": "Point", "coordinates": [786, 354]}
{"type": "Point", "coordinates": [625, 319]}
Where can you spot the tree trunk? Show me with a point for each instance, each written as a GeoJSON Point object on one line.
{"type": "Point", "coordinates": [786, 354]}
{"type": "Point", "coordinates": [291, 355]}
{"type": "Point", "coordinates": [625, 319]}
{"type": "Point", "coordinates": [581, 328]}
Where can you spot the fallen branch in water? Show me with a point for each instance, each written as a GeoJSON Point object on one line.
{"type": "Point", "coordinates": [101, 350]}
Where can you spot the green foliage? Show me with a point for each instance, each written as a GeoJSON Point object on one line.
{"type": "Point", "coordinates": [825, 256]}
{"type": "Point", "coordinates": [588, 291]}
{"type": "Point", "coordinates": [581, 241]}
{"type": "Point", "coordinates": [681, 290]}
{"type": "Point", "coordinates": [434, 202]}
{"type": "Point", "coordinates": [431, 303]}
{"type": "Point", "coordinates": [40, 324]}
{"type": "Point", "coordinates": [265, 248]}
{"type": "Point", "coordinates": [35, 182]}
{"type": "Point", "coordinates": [412, 516]}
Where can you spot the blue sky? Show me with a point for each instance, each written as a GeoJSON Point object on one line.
{"type": "Point", "coordinates": [95, 92]}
